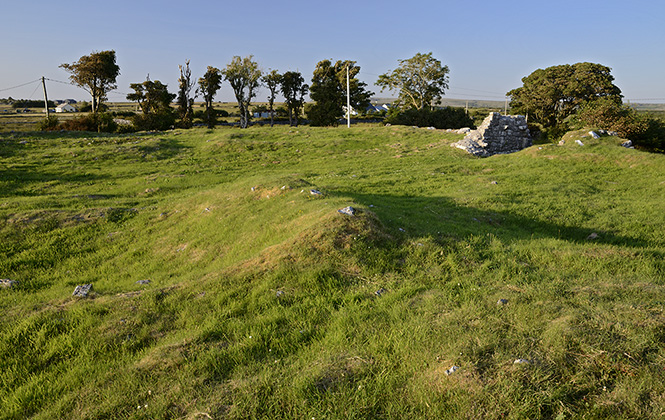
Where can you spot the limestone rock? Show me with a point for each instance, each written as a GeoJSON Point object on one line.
{"type": "Point", "coordinates": [82, 290]}
{"type": "Point", "coordinates": [594, 135]}
{"type": "Point", "coordinates": [6, 283]}
{"type": "Point", "coordinates": [498, 134]}
{"type": "Point", "coordinates": [349, 211]}
{"type": "Point", "coordinates": [452, 370]}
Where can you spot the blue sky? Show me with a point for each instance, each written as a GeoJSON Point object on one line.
{"type": "Point", "coordinates": [488, 45]}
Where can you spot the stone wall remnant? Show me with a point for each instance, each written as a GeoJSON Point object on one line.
{"type": "Point", "coordinates": [498, 134]}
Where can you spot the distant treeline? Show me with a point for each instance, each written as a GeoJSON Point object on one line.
{"type": "Point", "coordinates": [28, 103]}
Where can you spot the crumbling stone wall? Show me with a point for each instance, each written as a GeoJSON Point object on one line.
{"type": "Point", "coordinates": [498, 134]}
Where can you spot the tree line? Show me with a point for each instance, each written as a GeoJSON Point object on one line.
{"type": "Point", "coordinates": [420, 82]}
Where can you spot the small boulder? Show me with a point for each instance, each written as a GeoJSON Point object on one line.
{"type": "Point", "coordinates": [579, 142]}
{"type": "Point", "coordinates": [315, 192]}
{"type": "Point", "coordinates": [521, 362]}
{"type": "Point", "coordinates": [82, 290]}
{"type": "Point", "coordinates": [381, 292]}
{"type": "Point", "coordinates": [452, 370]}
{"type": "Point", "coordinates": [6, 283]}
{"type": "Point", "coordinates": [349, 211]}
{"type": "Point", "coordinates": [501, 302]}
{"type": "Point", "coordinates": [143, 281]}
{"type": "Point", "coordinates": [594, 135]}
{"type": "Point", "coordinates": [627, 144]}
{"type": "Point", "coordinates": [592, 236]}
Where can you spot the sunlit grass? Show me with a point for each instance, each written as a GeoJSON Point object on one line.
{"type": "Point", "coordinates": [264, 302]}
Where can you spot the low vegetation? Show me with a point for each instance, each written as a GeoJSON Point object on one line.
{"type": "Point", "coordinates": [539, 274]}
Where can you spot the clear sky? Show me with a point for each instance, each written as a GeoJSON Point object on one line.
{"type": "Point", "coordinates": [488, 45]}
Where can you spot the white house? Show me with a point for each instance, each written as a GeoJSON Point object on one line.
{"type": "Point", "coordinates": [65, 108]}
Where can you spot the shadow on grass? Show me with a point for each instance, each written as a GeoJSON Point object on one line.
{"type": "Point", "coordinates": [443, 219]}
{"type": "Point", "coordinates": [163, 149]}
{"type": "Point", "coordinates": [21, 180]}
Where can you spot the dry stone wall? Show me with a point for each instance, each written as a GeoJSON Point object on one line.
{"type": "Point", "coordinates": [498, 134]}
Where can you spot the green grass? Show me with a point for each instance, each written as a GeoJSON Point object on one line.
{"type": "Point", "coordinates": [262, 298]}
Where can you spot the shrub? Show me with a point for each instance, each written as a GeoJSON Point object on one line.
{"type": "Point", "coordinates": [160, 121]}
{"type": "Point", "coordinates": [442, 118]}
{"type": "Point", "coordinates": [99, 122]}
{"type": "Point", "coordinates": [49, 124]}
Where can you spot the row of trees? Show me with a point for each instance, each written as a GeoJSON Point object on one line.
{"type": "Point", "coordinates": [419, 81]}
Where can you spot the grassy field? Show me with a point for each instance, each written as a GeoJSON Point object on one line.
{"type": "Point", "coordinates": [540, 275]}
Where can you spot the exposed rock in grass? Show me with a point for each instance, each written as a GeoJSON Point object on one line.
{"type": "Point", "coordinates": [452, 370]}
{"type": "Point", "coordinates": [502, 301]}
{"type": "Point", "coordinates": [579, 142]}
{"type": "Point", "coordinates": [594, 135]}
{"type": "Point", "coordinates": [592, 236]}
{"type": "Point", "coordinates": [6, 283]}
{"type": "Point", "coordinates": [143, 281]}
{"type": "Point", "coordinates": [315, 192]}
{"type": "Point", "coordinates": [82, 290]}
{"type": "Point", "coordinates": [628, 144]}
{"type": "Point", "coordinates": [522, 362]}
{"type": "Point", "coordinates": [381, 292]}
{"type": "Point", "coordinates": [349, 211]}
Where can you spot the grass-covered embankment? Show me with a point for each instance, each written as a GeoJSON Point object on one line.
{"type": "Point", "coordinates": [262, 298]}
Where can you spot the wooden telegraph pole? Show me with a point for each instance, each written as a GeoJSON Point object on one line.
{"type": "Point", "coordinates": [348, 99]}
{"type": "Point", "coordinates": [45, 96]}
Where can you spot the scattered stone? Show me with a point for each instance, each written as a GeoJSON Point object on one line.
{"type": "Point", "coordinates": [381, 292]}
{"type": "Point", "coordinates": [82, 290]}
{"type": "Point", "coordinates": [401, 230]}
{"type": "Point", "coordinates": [143, 281]}
{"type": "Point", "coordinates": [579, 142]}
{"type": "Point", "coordinates": [315, 192]}
{"type": "Point", "coordinates": [562, 142]}
{"type": "Point", "coordinates": [593, 236]}
{"type": "Point", "coordinates": [628, 144]}
{"type": "Point", "coordinates": [494, 183]}
{"type": "Point", "coordinates": [594, 135]}
{"type": "Point", "coordinates": [502, 301]}
{"type": "Point", "coordinates": [350, 211]}
{"type": "Point", "coordinates": [431, 128]}
{"type": "Point", "coordinates": [464, 130]}
{"type": "Point", "coordinates": [498, 134]}
{"type": "Point", "coordinates": [279, 293]}
{"type": "Point", "coordinates": [521, 362]}
{"type": "Point", "coordinates": [253, 189]}
{"type": "Point", "coordinates": [8, 283]}
{"type": "Point", "coordinates": [452, 370]}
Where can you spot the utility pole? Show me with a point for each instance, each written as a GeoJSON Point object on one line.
{"type": "Point", "coordinates": [348, 99]}
{"type": "Point", "coordinates": [45, 96]}
{"type": "Point", "coordinates": [505, 108]}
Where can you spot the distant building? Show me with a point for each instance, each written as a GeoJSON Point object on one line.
{"type": "Point", "coordinates": [65, 108]}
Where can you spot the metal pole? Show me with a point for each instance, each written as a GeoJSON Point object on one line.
{"type": "Point", "coordinates": [348, 99]}
{"type": "Point", "coordinates": [45, 96]}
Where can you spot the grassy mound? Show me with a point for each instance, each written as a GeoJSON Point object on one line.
{"type": "Point", "coordinates": [263, 301]}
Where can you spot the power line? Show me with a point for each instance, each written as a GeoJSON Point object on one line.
{"type": "Point", "coordinates": [18, 86]}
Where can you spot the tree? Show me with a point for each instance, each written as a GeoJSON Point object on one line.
{"type": "Point", "coordinates": [152, 97]}
{"type": "Point", "coordinates": [420, 80]}
{"type": "Point", "coordinates": [272, 81]}
{"type": "Point", "coordinates": [209, 84]}
{"type": "Point", "coordinates": [328, 89]}
{"type": "Point", "coordinates": [155, 102]}
{"type": "Point", "coordinates": [244, 76]}
{"type": "Point", "coordinates": [294, 90]}
{"type": "Point", "coordinates": [185, 103]}
{"type": "Point", "coordinates": [96, 73]}
{"type": "Point", "coordinates": [551, 95]}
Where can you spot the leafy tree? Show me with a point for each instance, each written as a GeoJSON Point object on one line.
{"type": "Point", "coordinates": [328, 89]}
{"type": "Point", "coordinates": [244, 76]}
{"type": "Point", "coordinates": [272, 81]}
{"type": "Point", "coordinates": [96, 73]}
{"type": "Point", "coordinates": [209, 84]}
{"type": "Point", "coordinates": [294, 90]}
{"type": "Point", "coordinates": [155, 102]}
{"type": "Point", "coordinates": [551, 95]}
{"type": "Point", "coordinates": [420, 80]}
{"type": "Point", "coordinates": [185, 103]}
{"type": "Point", "coordinates": [152, 97]}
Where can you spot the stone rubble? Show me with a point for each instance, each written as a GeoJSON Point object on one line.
{"type": "Point", "coordinates": [498, 134]}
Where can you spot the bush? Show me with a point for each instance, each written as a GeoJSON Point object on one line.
{"type": "Point", "coordinates": [99, 122]}
{"type": "Point", "coordinates": [49, 124]}
{"type": "Point", "coordinates": [643, 130]}
{"type": "Point", "coordinates": [148, 122]}
{"type": "Point", "coordinates": [442, 118]}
